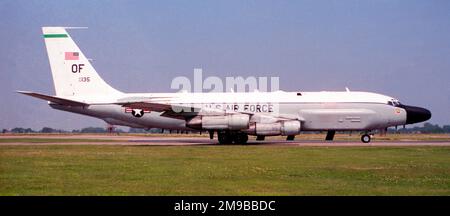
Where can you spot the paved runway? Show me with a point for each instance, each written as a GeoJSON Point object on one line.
{"type": "Point", "coordinates": [197, 141]}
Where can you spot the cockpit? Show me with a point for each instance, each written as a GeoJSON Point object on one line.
{"type": "Point", "coordinates": [394, 102]}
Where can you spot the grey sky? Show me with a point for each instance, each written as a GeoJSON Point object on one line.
{"type": "Point", "coordinates": [397, 48]}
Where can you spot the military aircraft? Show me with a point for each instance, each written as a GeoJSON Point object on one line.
{"type": "Point", "coordinates": [232, 115]}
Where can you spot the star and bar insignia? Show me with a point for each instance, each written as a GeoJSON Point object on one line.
{"type": "Point", "coordinates": [136, 112]}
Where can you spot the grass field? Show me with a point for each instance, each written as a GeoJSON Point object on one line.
{"type": "Point", "coordinates": [51, 140]}
{"type": "Point", "coordinates": [223, 170]}
{"type": "Point", "coordinates": [105, 137]}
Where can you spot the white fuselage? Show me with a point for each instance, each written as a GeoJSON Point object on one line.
{"type": "Point", "coordinates": [316, 110]}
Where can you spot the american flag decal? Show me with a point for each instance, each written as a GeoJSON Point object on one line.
{"type": "Point", "coordinates": [71, 56]}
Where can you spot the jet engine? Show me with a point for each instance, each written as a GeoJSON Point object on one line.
{"type": "Point", "coordinates": [225, 122]}
{"type": "Point", "coordinates": [284, 128]}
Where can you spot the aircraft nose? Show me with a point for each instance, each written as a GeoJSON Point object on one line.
{"type": "Point", "coordinates": [416, 114]}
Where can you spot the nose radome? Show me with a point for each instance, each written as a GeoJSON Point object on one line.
{"type": "Point", "coordinates": [416, 114]}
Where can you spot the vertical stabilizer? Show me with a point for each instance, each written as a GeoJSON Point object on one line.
{"type": "Point", "coordinates": [73, 74]}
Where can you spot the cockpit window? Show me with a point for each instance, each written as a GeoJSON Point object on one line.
{"type": "Point", "coordinates": [394, 102]}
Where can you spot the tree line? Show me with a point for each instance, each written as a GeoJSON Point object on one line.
{"type": "Point", "coordinates": [88, 130]}
{"type": "Point", "coordinates": [426, 128]}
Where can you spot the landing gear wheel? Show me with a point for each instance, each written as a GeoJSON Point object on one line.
{"type": "Point", "coordinates": [240, 138]}
{"type": "Point", "coordinates": [224, 137]}
{"type": "Point", "coordinates": [365, 138]}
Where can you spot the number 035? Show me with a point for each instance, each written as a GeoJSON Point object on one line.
{"type": "Point", "coordinates": [84, 79]}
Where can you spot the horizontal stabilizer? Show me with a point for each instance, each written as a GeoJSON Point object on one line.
{"type": "Point", "coordinates": [53, 99]}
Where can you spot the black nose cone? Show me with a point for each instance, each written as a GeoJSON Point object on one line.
{"type": "Point", "coordinates": [416, 114]}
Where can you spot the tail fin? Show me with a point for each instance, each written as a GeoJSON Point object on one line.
{"type": "Point", "coordinates": [73, 74]}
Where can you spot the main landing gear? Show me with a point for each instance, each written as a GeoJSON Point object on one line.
{"type": "Point", "coordinates": [228, 137]}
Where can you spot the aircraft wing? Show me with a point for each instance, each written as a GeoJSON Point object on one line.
{"type": "Point", "coordinates": [178, 111]}
{"type": "Point", "coordinates": [53, 99]}
{"type": "Point", "coordinates": [158, 104]}
{"type": "Point", "coordinates": [157, 107]}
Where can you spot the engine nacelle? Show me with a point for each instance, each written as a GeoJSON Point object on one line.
{"type": "Point", "coordinates": [290, 128]}
{"type": "Point", "coordinates": [225, 122]}
{"type": "Point", "coordinates": [284, 128]}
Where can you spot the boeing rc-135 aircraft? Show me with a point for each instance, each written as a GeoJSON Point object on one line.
{"type": "Point", "coordinates": [233, 116]}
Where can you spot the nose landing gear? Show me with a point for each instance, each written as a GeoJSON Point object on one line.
{"type": "Point", "coordinates": [365, 138]}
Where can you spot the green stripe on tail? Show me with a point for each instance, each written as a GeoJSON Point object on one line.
{"type": "Point", "coordinates": [55, 36]}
